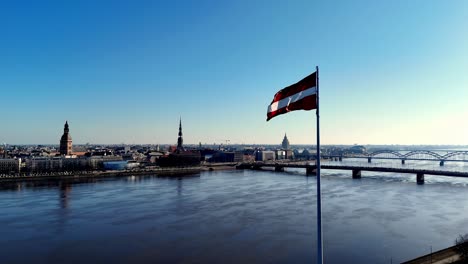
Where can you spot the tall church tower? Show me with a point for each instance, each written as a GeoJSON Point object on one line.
{"type": "Point", "coordinates": [285, 143]}
{"type": "Point", "coordinates": [66, 141]}
{"type": "Point", "coordinates": [180, 141]}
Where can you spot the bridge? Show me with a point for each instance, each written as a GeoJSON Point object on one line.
{"type": "Point", "coordinates": [356, 170]}
{"type": "Point", "coordinates": [421, 155]}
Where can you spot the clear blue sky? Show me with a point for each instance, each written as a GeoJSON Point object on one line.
{"type": "Point", "coordinates": [391, 72]}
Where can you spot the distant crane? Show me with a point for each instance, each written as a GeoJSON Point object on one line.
{"type": "Point", "coordinates": [225, 140]}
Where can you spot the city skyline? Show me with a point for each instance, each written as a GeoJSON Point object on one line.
{"type": "Point", "coordinates": [222, 142]}
{"type": "Point", "coordinates": [124, 73]}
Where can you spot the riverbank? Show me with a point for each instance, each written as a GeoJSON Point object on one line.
{"type": "Point", "coordinates": [219, 166]}
{"type": "Point", "coordinates": [177, 171]}
{"type": "Point", "coordinates": [173, 171]}
{"type": "Point", "coordinates": [448, 255]}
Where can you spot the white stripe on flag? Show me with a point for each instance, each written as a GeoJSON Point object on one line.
{"type": "Point", "coordinates": [291, 99]}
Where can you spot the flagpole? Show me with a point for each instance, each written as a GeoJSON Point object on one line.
{"type": "Point", "coordinates": [319, 198]}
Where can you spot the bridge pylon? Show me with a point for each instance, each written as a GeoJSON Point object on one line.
{"type": "Point", "coordinates": [356, 174]}
{"type": "Point", "coordinates": [420, 178]}
{"type": "Point", "coordinates": [311, 171]}
{"type": "Point", "coordinates": [279, 168]}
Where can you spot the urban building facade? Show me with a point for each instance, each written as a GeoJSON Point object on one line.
{"type": "Point", "coordinates": [265, 155]}
{"type": "Point", "coordinates": [10, 165]}
{"type": "Point", "coordinates": [55, 164]}
{"type": "Point", "coordinates": [222, 156]}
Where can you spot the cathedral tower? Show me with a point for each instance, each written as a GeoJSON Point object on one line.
{"type": "Point", "coordinates": [180, 141]}
{"type": "Point", "coordinates": [285, 143]}
{"type": "Point", "coordinates": [66, 141]}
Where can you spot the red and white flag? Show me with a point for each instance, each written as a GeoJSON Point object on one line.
{"type": "Point", "coordinates": [299, 96]}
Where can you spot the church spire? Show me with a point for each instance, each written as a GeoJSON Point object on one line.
{"type": "Point", "coordinates": [66, 129]}
{"type": "Point", "coordinates": [180, 140]}
{"type": "Point", "coordinates": [180, 127]}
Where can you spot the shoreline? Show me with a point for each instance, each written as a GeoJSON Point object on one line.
{"type": "Point", "coordinates": [219, 166]}
{"type": "Point", "coordinates": [105, 174]}
{"type": "Point", "coordinates": [172, 171]}
{"type": "Point", "coordinates": [446, 255]}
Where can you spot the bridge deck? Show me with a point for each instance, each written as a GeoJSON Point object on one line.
{"type": "Point", "coordinates": [361, 168]}
{"type": "Point", "coordinates": [396, 158]}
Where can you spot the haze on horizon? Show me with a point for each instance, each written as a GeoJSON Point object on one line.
{"type": "Point", "coordinates": [124, 72]}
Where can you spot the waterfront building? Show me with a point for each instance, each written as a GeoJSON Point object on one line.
{"type": "Point", "coordinates": [121, 165]}
{"type": "Point", "coordinates": [152, 157]}
{"type": "Point", "coordinates": [207, 153]}
{"type": "Point", "coordinates": [97, 162]}
{"type": "Point", "coordinates": [41, 164]}
{"type": "Point", "coordinates": [185, 159]}
{"type": "Point", "coordinates": [66, 141]}
{"type": "Point", "coordinates": [285, 144]}
{"type": "Point", "coordinates": [115, 165]}
{"type": "Point", "coordinates": [10, 165]}
{"type": "Point", "coordinates": [225, 156]}
{"type": "Point", "coordinates": [265, 155]}
{"type": "Point", "coordinates": [280, 154]}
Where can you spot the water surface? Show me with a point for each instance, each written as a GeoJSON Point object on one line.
{"type": "Point", "coordinates": [230, 217]}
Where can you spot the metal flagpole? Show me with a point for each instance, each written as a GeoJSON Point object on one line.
{"type": "Point", "coordinates": [319, 198]}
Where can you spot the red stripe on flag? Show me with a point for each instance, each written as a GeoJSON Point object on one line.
{"type": "Point", "coordinates": [305, 103]}
{"type": "Point", "coordinates": [308, 103]}
{"type": "Point", "coordinates": [307, 82]}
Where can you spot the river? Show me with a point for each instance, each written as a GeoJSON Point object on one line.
{"type": "Point", "coordinates": [230, 217]}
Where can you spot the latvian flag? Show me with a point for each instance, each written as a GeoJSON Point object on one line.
{"type": "Point", "coordinates": [299, 96]}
